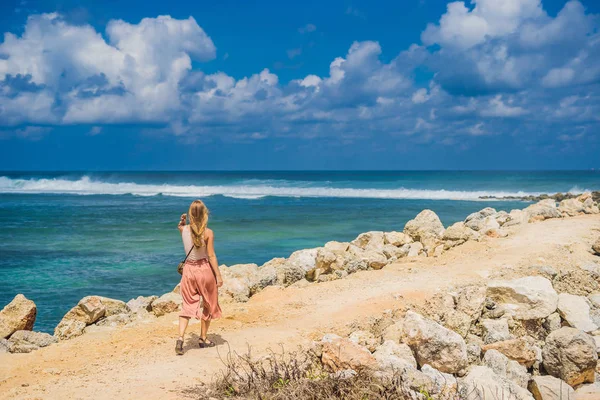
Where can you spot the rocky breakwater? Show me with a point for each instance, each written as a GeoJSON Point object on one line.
{"type": "Point", "coordinates": [96, 313]}
{"type": "Point", "coordinates": [595, 196]}
{"type": "Point", "coordinates": [92, 313]}
{"type": "Point", "coordinates": [512, 339]}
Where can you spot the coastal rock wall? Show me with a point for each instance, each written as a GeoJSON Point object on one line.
{"type": "Point", "coordinates": [515, 344]}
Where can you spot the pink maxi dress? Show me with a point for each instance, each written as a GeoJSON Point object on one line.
{"type": "Point", "coordinates": [199, 289]}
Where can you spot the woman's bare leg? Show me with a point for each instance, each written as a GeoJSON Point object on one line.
{"type": "Point", "coordinates": [183, 323]}
{"type": "Point", "coordinates": [204, 330]}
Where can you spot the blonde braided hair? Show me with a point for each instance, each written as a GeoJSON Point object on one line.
{"type": "Point", "coordinates": [198, 214]}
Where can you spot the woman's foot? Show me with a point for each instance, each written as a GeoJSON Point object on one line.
{"type": "Point", "coordinates": [179, 347]}
{"type": "Point", "coordinates": [204, 342]}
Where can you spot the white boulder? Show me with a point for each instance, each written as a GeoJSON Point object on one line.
{"type": "Point", "coordinates": [576, 311]}
{"type": "Point", "coordinates": [17, 315]}
{"type": "Point", "coordinates": [483, 383]}
{"type": "Point", "coordinates": [532, 297]}
{"type": "Point", "coordinates": [433, 344]}
{"type": "Point", "coordinates": [425, 228]}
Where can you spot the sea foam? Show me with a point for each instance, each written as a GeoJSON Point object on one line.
{"type": "Point", "coordinates": [246, 190]}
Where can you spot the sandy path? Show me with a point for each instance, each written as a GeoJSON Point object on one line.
{"type": "Point", "coordinates": [139, 361]}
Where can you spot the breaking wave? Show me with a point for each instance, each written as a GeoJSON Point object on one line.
{"type": "Point", "coordinates": [87, 186]}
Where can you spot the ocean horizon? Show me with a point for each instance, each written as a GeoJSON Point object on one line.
{"type": "Point", "coordinates": [67, 235]}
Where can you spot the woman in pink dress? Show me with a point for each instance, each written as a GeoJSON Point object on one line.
{"type": "Point", "coordinates": [201, 277]}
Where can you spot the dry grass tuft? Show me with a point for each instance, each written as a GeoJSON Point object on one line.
{"type": "Point", "coordinates": [295, 375]}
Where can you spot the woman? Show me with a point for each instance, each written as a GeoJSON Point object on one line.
{"type": "Point", "coordinates": [201, 277]}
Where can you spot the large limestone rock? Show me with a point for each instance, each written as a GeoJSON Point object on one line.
{"type": "Point", "coordinates": [483, 225]}
{"type": "Point", "coordinates": [93, 309]}
{"type": "Point", "coordinates": [470, 299]}
{"type": "Point", "coordinates": [244, 272]}
{"type": "Point", "coordinates": [167, 303]}
{"type": "Point", "coordinates": [341, 353]}
{"type": "Point", "coordinates": [444, 386]}
{"type": "Point", "coordinates": [521, 350]}
{"type": "Point", "coordinates": [501, 217]}
{"type": "Point", "coordinates": [433, 344]}
{"type": "Point", "coordinates": [397, 239]}
{"type": "Point", "coordinates": [532, 297]}
{"type": "Point", "coordinates": [459, 231]}
{"type": "Point", "coordinates": [113, 306]}
{"type": "Point", "coordinates": [393, 332]}
{"type": "Point", "coordinates": [481, 214]}
{"type": "Point", "coordinates": [482, 383]}
{"type": "Point", "coordinates": [141, 304]}
{"type": "Point", "coordinates": [89, 310]}
{"type": "Point", "coordinates": [414, 249]}
{"type": "Point", "coordinates": [425, 228]}
{"type": "Point", "coordinates": [336, 247]}
{"type": "Point", "coordinates": [69, 328]}
{"type": "Point", "coordinates": [589, 207]}
{"type": "Point", "coordinates": [596, 247]}
{"type": "Point", "coordinates": [457, 321]}
{"type": "Point", "coordinates": [234, 289]}
{"type": "Point", "coordinates": [370, 240]}
{"type": "Point", "coordinates": [365, 339]}
{"type": "Point", "coordinates": [18, 315]}
{"type": "Point", "coordinates": [550, 388]}
{"type": "Point", "coordinates": [266, 276]}
{"type": "Point", "coordinates": [411, 381]}
{"type": "Point", "coordinates": [326, 260]}
{"type": "Point", "coordinates": [576, 311]}
{"type": "Point", "coordinates": [296, 267]}
{"type": "Point", "coordinates": [516, 217]}
{"type": "Point", "coordinates": [4, 346]}
{"type": "Point", "coordinates": [506, 368]}
{"type": "Point", "coordinates": [114, 320]}
{"type": "Point", "coordinates": [495, 330]}
{"type": "Point", "coordinates": [28, 341]}
{"type": "Point", "coordinates": [373, 259]}
{"type": "Point", "coordinates": [594, 300]}
{"type": "Point", "coordinates": [394, 253]}
{"type": "Point", "coordinates": [477, 221]}
{"type": "Point", "coordinates": [542, 210]}
{"type": "Point", "coordinates": [570, 354]}
{"type": "Point", "coordinates": [552, 322]}
{"type": "Point", "coordinates": [588, 392]}
{"type": "Point", "coordinates": [393, 356]}
{"type": "Point", "coordinates": [305, 259]}
{"type": "Point", "coordinates": [570, 207]}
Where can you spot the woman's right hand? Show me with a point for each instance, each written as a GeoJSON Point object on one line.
{"type": "Point", "coordinates": [219, 281]}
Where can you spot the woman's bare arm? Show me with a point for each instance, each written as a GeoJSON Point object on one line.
{"type": "Point", "coordinates": [212, 256]}
{"type": "Point", "coordinates": [182, 222]}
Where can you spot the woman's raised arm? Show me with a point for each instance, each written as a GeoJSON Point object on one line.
{"type": "Point", "coordinates": [182, 222]}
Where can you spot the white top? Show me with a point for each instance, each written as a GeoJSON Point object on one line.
{"type": "Point", "coordinates": [199, 252]}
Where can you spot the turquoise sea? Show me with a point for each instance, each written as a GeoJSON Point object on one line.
{"type": "Point", "coordinates": [66, 235]}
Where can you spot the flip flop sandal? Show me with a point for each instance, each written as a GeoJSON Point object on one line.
{"type": "Point", "coordinates": [179, 347]}
{"type": "Point", "coordinates": [205, 343]}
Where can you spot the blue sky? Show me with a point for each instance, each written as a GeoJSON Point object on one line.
{"type": "Point", "coordinates": [423, 84]}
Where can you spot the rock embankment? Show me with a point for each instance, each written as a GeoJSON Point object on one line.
{"type": "Point", "coordinates": [423, 236]}
{"type": "Point", "coordinates": [512, 339]}
{"type": "Point", "coordinates": [557, 196]}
